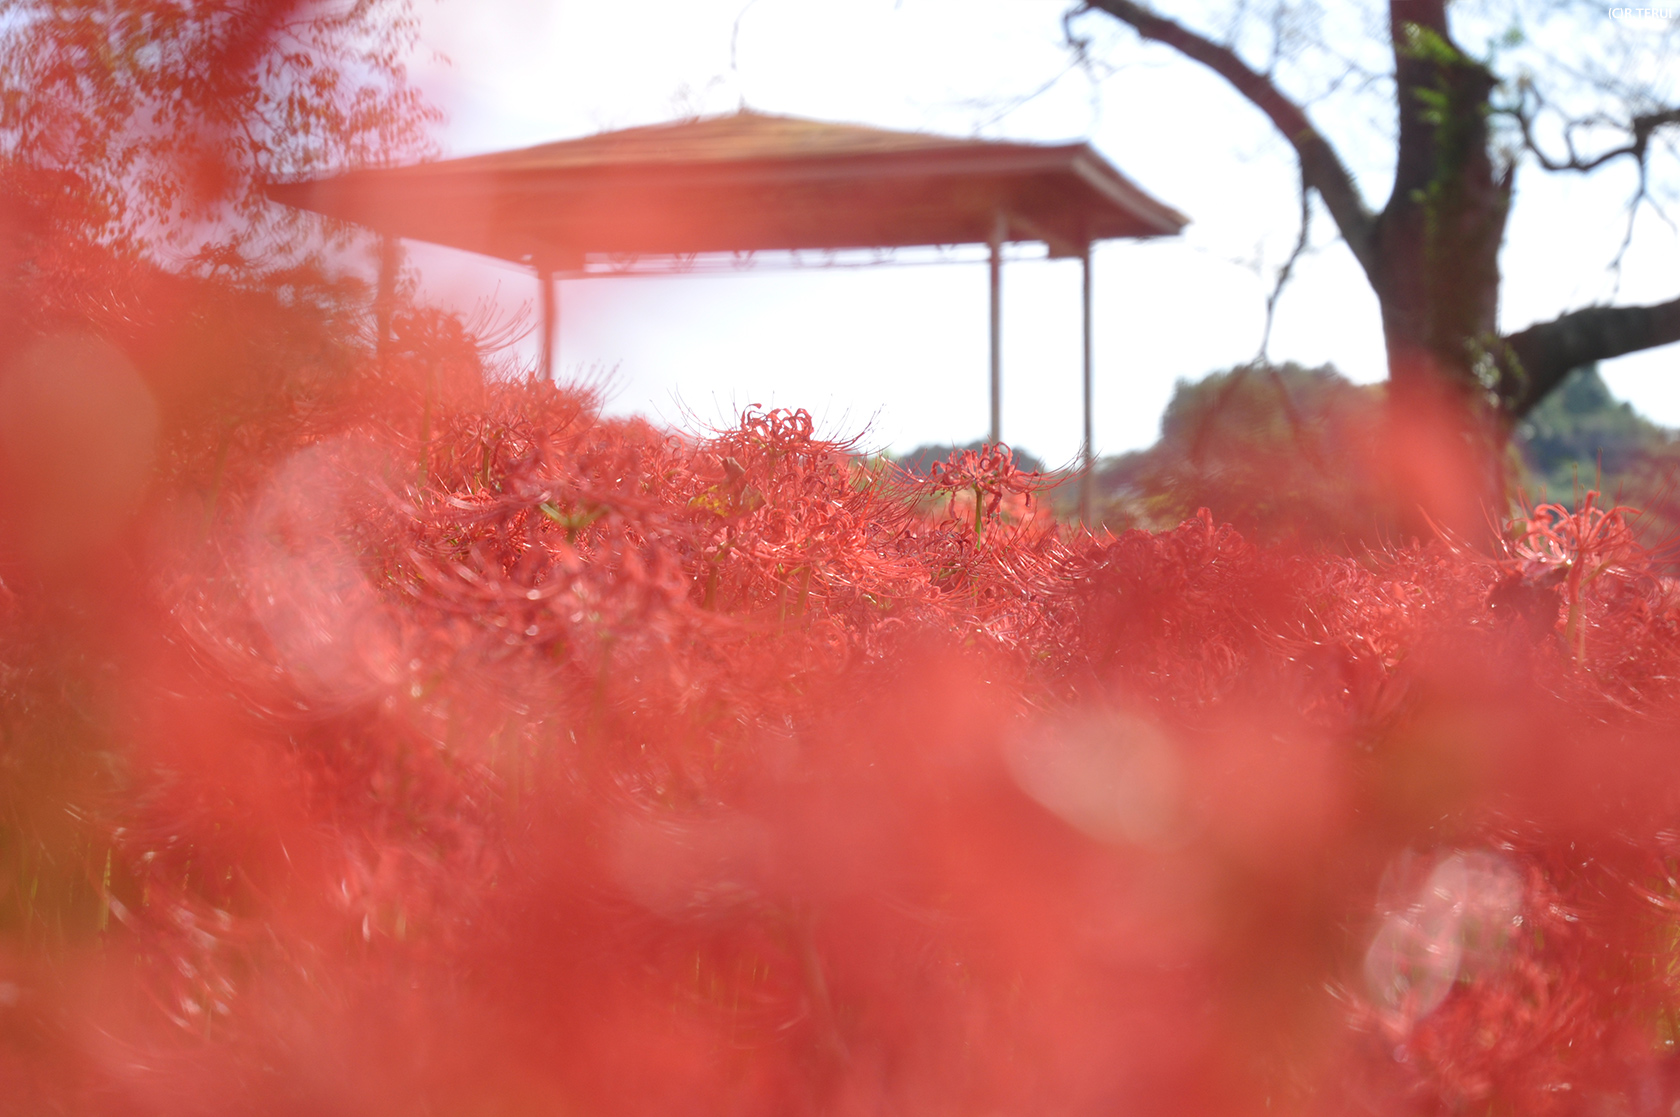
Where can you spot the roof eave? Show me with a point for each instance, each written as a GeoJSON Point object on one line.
{"type": "Point", "coordinates": [1102, 177]}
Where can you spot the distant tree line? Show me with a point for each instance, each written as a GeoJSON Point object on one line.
{"type": "Point", "coordinates": [1288, 452]}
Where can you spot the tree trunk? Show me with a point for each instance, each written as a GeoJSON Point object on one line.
{"type": "Point", "coordinates": [1435, 270]}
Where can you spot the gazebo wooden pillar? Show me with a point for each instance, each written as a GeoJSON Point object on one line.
{"type": "Point", "coordinates": [1000, 233]}
{"type": "Point", "coordinates": [549, 300]}
{"type": "Point", "coordinates": [1087, 447]}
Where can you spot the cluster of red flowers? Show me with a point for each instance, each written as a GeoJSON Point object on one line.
{"type": "Point", "coordinates": [428, 744]}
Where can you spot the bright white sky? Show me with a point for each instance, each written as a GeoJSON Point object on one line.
{"type": "Point", "coordinates": [898, 355]}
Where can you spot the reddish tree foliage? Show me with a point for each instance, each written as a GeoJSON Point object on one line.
{"type": "Point", "coordinates": [127, 118]}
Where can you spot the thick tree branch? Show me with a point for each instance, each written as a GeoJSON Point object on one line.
{"type": "Point", "coordinates": [1537, 359]}
{"type": "Point", "coordinates": [1321, 167]}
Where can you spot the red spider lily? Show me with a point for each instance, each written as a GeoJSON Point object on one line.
{"type": "Point", "coordinates": [989, 473]}
{"type": "Point", "coordinates": [1555, 545]}
{"type": "Point", "coordinates": [428, 740]}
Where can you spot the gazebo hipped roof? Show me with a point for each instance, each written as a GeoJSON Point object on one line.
{"type": "Point", "coordinates": [745, 182]}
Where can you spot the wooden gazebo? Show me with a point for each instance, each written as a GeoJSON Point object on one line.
{"type": "Point", "coordinates": [750, 182]}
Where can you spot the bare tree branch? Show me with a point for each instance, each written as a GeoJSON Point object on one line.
{"type": "Point", "coordinates": [1537, 359]}
{"type": "Point", "coordinates": [1640, 128]}
{"type": "Point", "coordinates": [1285, 272]}
{"type": "Point", "coordinates": [1321, 167]}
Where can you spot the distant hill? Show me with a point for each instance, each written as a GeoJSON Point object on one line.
{"type": "Point", "coordinates": [1280, 451]}
{"type": "Point", "coordinates": [1284, 451]}
{"type": "Point", "coordinates": [1582, 437]}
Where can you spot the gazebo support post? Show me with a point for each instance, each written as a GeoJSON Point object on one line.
{"type": "Point", "coordinates": [385, 293]}
{"type": "Point", "coordinates": [1000, 230]}
{"type": "Point", "coordinates": [1087, 452]}
{"type": "Point", "coordinates": [550, 314]}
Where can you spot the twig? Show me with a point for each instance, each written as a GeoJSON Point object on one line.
{"type": "Point", "coordinates": [1284, 272]}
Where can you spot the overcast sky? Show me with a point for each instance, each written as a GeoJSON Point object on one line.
{"type": "Point", "coordinates": [898, 355]}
